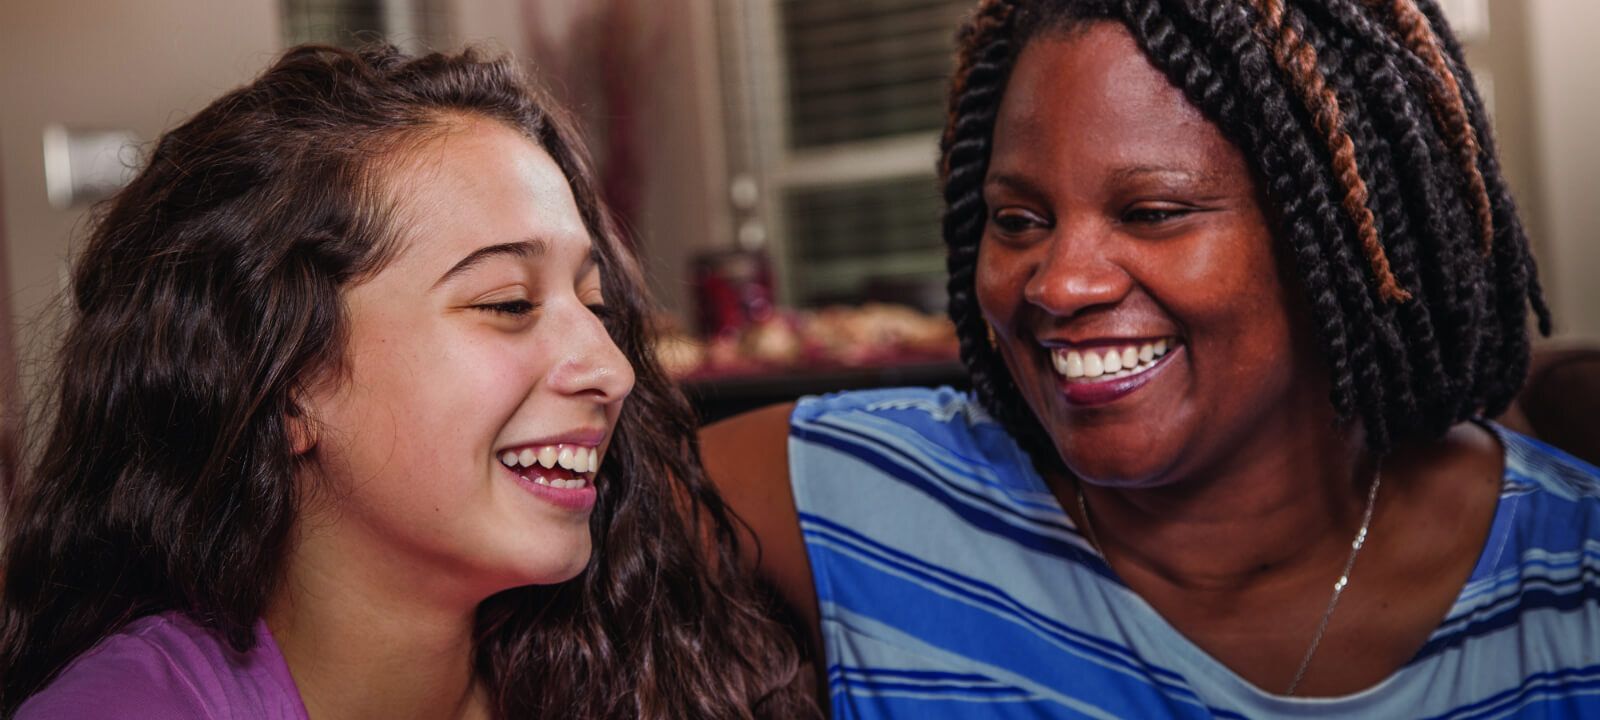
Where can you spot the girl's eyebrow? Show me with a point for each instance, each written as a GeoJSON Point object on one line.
{"type": "Point", "coordinates": [530, 248]}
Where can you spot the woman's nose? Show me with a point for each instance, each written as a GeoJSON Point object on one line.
{"type": "Point", "coordinates": [590, 363]}
{"type": "Point", "coordinates": [1076, 274]}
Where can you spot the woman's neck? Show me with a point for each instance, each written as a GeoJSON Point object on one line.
{"type": "Point", "coordinates": [368, 640]}
{"type": "Point", "coordinates": [1283, 502]}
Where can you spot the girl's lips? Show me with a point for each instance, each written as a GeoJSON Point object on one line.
{"type": "Point", "coordinates": [573, 499]}
{"type": "Point", "coordinates": [1090, 393]}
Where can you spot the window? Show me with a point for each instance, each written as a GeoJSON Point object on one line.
{"type": "Point", "coordinates": [834, 110]}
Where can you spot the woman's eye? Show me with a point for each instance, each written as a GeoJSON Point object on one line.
{"type": "Point", "coordinates": [1152, 216]}
{"type": "Point", "coordinates": [508, 307]}
{"type": "Point", "coordinates": [1011, 220]}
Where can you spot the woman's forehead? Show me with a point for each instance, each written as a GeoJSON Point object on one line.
{"type": "Point", "coordinates": [1094, 93]}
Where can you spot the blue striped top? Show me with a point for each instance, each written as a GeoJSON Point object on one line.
{"type": "Point", "coordinates": [952, 585]}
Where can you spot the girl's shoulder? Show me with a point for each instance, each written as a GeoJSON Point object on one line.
{"type": "Point", "coordinates": [168, 666]}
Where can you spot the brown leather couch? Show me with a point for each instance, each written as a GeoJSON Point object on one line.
{"type": "Point", "coordinates": [1560, 404]}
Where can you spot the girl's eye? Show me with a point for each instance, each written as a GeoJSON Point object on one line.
{"type": "Point", "coordinates": [607, 314]}
{"type": "Point", "coordinates": [1153, 216]}
{"type": "Point", "coordinates": [508, 307]}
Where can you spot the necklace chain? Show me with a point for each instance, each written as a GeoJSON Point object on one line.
{"type": "Point", "coordinates": [1338, 585]}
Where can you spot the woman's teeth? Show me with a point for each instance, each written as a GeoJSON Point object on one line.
{"type": "Point", "coordinates": [1110, 363]}
{"type": "Point", "coordinates": [577, 459]}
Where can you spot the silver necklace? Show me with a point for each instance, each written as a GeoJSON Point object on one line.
{"type": "Point", "coordinates": [1338, 585]}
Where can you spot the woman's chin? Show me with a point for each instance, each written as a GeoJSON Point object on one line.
{"type": "Point", "coordinates": [1101, 465]}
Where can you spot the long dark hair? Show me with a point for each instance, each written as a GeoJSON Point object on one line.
{"type": "Point", "coordinates": [1374, 149]}
{"type": "Point", "coordinates": [209, 291]}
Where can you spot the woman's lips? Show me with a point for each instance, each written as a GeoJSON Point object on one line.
{"type": "Point", "coordinates": [1100, 375]}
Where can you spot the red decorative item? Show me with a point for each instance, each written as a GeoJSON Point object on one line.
{"type": "Point", "coordinates": [733, 290]}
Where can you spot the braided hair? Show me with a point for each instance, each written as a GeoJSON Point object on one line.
{"type": "Point", "coordinates": [1374, 151]}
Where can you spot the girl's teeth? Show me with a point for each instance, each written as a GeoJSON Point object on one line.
{"type": "Point", "coordinates": [571, 457]}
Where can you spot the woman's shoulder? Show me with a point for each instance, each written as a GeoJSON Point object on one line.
{"type": "Point", "coordinates": [941, 404]}
{"type": "Point", "coordinates": [168, 666]}
{"type": "Point", "coordinates": [1533, 466]}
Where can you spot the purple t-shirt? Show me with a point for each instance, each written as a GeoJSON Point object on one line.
{"type": "Point", "coordinates": [166, 667]}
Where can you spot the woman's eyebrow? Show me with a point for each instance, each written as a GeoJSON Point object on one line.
{"type": "Point", "coordinates": [1016, 183]}
{"type": "Point", "coordinates": [1162, 172]}
{"type": "Point", "coordinates": [530, 248]}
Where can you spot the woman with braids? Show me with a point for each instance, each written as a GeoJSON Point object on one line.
{"type": "Point", "coordinates": [1237, 283]}
{"type": "Point", "coordinates": [356, 417]}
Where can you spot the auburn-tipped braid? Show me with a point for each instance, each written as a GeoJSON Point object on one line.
{"type": "Point", "coordinates": [1448, 106]}
{"type": "Point", "coordinates": [1298, 60]}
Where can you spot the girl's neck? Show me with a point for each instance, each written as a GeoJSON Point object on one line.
{"type": "Point", "coordinates": [363, 641]}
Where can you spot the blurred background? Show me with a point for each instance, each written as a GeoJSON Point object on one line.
{"type": "Point", "coordinates": [773, 159]}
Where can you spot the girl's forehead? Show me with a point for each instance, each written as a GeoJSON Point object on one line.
{"type": "Point", "coordinates": [482, 185]}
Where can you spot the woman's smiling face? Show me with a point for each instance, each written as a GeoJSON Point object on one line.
{"type": "Point", "coordinates": [1124, 229]}
{"type": "Point", "coordinates": [475, 356]}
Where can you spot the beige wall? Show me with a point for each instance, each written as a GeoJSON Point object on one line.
{"type": "Point", "coordinates": [490, 23]}
{"type": "Point", "coordinates": [140, 66]}
{"type": "Point", "coordinates": [1565, 60]}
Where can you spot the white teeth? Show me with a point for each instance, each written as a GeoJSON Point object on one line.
{"type": "Point", "coordinates": [1093, 367]}
{"type": "Point", "coordinates": [541, 480]}
{"type": "Point", "coordinates": [572, 457]}
{"type": "Point", "coordinates": [1109, 364]}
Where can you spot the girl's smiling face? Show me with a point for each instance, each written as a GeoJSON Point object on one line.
{"type": "Point", "coordinates": [1127, 269]}
{"type": "Point", "coordinates": [478, 385]}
